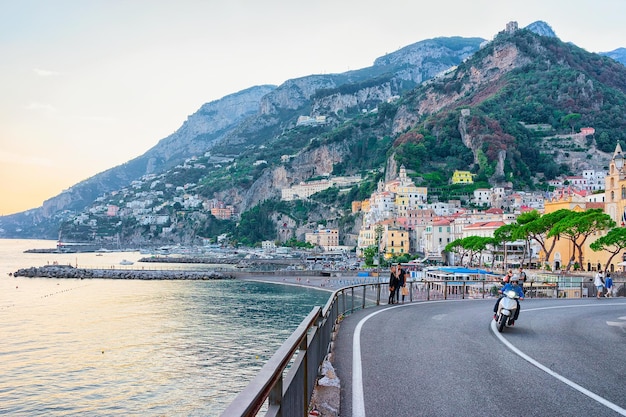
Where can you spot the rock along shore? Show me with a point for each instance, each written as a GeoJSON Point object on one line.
{"type": "Point", "coordinates": [68, 271]}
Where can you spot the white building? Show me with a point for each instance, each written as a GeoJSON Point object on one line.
{"type": "Point", "coordinates": [304, 189]}
{"type": "Point", "coordinates": [482, 197]}
{"type": "Point", "coordinates": [595, 179]}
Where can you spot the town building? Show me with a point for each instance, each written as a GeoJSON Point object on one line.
{"type": "Point", "coordinates": [462, 177]}
{"type": "Point", "coordinates": [328, 239]}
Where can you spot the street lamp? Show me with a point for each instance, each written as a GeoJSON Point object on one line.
{"type": "Point", "coordinates": [379, 235]}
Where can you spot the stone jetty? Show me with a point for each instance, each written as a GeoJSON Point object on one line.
{"type": "Point", "coordinates": [188, 260]}
{"type": "Point", "coordinates": [68, 271]}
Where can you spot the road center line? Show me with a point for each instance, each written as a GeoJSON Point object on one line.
{"type": "Point", "coordinates": [549, 371]}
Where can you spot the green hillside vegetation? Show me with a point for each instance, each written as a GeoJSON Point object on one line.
{"type": "Point", "coordinates": [563, 86]}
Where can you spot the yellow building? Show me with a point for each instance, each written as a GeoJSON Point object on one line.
{"type": "Point", "coordinates": [409, 197]}
{"type": "Point", "coordinates": [395, 241]}
{"type": "Point", "coordinates": [563, 249]}
{"type": "Point", "coordinates": [462, 177]}
{"type": "Point", "coordinates": [614, 206]}
{"type": "Point", "coordinates": [325, 238]}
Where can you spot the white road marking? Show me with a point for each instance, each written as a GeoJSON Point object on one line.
{"type": "Point", "coordinates": [358, 400]}
{"type": "Point", "coordinates": [549, 371]}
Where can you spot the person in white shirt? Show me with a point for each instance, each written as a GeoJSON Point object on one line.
{"type": "Point", "coordinates": [599, 283]}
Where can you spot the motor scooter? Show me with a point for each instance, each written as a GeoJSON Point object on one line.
{"type": "Point", "coordinates": [506, 309]}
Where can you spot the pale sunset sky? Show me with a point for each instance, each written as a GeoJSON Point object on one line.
{"type": "Point", "coordinates": [86, 85]}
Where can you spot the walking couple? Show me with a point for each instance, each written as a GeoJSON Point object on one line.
{"type": "Point", "coordinates": [397, 283]}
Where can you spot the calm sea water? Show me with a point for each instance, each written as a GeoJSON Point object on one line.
{"type": "Point", "coordinates": [133, 348]}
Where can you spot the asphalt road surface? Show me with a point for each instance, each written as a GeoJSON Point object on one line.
{"type": "Point", "coordinates": [446, 358]}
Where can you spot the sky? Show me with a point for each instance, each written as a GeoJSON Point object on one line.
{"type": "Point", "coordinates": [86, 85]}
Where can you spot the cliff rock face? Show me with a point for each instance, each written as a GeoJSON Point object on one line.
{"type": "Point", "coordinates": [366, 98]}
{"type": "Point", "coordinates": [424, 60]}
{"type": "Point", "coordinates": [294, 94]}
{"type": "Point", "coordinates": [401, 70]}
{"type": "Point", "coordinates": [493, 67]}
{"type": "Point", "coordinates": [391, 173]}
{"type": "Point", "coordinates": [305, 165]}
{"type": "Point", "coordinates": [206, 126]}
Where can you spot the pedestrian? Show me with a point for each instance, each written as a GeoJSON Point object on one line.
{"type": "Point", "coordinates": [599, 284]}
{"type": "Point", "coordinates": [608, 283]}
{"type": "Point", "coordinates": [393, 284]}
{"type": "Point", "coordinates": [507, 277]}
{"type": "Point", "coordinates": [401, 284]}
{"type": "Point", "coordinates": [521, 274]}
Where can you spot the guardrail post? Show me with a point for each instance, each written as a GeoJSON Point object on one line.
{"type": "Point", "coordinates": [304, 344]}
{"type": "Point", "coordinates": [276, 395]}
{"type": "Point", "coordinates": [364, 294]}
{"type": "Point", "coordinates": [351, 300]}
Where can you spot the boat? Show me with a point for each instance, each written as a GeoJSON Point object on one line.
{"type": "Point", "coordinates": [126, 262]}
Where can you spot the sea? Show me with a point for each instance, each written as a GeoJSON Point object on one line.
{"type": "Point", "coordinates": [96, 347]}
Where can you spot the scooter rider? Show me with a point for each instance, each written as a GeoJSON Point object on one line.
{"type": "Point", "coordinates": [517, 287]}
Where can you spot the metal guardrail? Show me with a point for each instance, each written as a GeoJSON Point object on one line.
{"type": "Point", "coordinates": [284, 385]}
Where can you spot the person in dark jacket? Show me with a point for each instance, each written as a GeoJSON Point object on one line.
{"type": "Point", "coordinates": [401, 284]}
{"type": "Point", "coordinates": [393, 285]}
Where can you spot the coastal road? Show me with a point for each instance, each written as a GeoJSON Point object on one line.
{"type": "Point", "coordinates": [446, 358]}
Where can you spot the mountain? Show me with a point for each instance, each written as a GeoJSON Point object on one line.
{"type": "Point", "coordinates": [541, 28]}
{"type": "Point", "coordinates": [197, 134]}
{"type": "Point", "coordinates": [248, 118]}
{"type": "Point", "coordinates": [508, 110]}
{"type": "Point", "coordinates": [618, 54]}
{"type": "Point", "coordinates": [508, 89]}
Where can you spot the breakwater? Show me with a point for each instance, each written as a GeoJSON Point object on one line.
{"type": "Point", "coordinates": [68, 271]}
{"type": "Point", "coordinates": [188, 260]}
